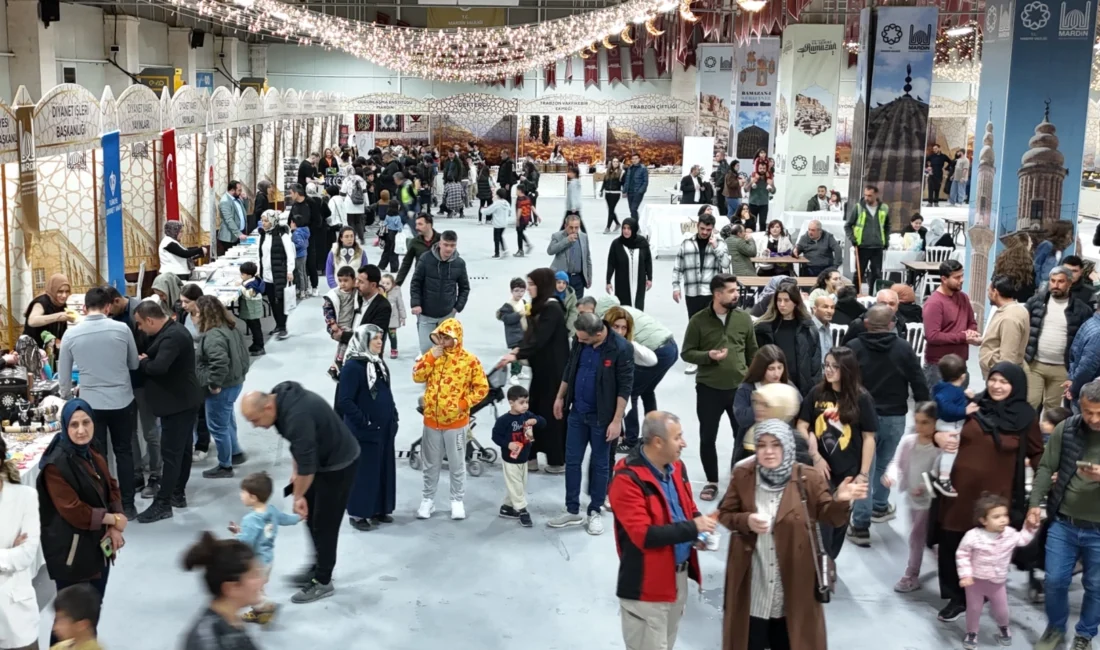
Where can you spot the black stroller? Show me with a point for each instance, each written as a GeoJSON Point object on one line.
{"type": "Point", "coordinates": [476, 453]}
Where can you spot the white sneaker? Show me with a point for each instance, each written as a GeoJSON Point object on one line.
{"type": "Point", "coordinates": [690, 369]}
{"type": "Point", "coordinates": [427, 507]}
{"type": "Point", "coordinates": [594, 525]}
{"type": "Point", "coordinates": [566, 519]}
{"type": "Point", "coordinates": [458, 511]}
{"type": "Point", "coordinates": [198, 456]}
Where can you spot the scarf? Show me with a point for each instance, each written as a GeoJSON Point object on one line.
{"type": "Point", "coordinates": [1012, 415]}
{"type": "Point", "coordinates": [632, 241]}
{"type": "Point", "coordinates": [562, 276]}
{"type": "Point", "coordinates": [54, 285]}
{"type": "Point", "coordinates": [776, 479]}
{"type": "Point", "coordinates": [62, 438]}
{"type": "Point", "coordinates": [359, 348]}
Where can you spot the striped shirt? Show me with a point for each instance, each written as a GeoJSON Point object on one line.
{"type": "Point", "coordinates": [767, 585]}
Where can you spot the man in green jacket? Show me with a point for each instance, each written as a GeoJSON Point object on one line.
{"type": "Point", "coordinates": [721, 342]}
{"type": "Point", "coordinates": [426, 237]}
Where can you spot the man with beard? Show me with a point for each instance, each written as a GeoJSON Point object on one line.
{"type": "Point", "coordinates": [1056, 316]}
{"type": "Point", "coordinates": [698, 261]}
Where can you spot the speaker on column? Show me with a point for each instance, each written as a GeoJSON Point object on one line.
{"type": "Point", "coordinates": [49, 11]}
{"type": "Point", "coordinates": [197, 38]}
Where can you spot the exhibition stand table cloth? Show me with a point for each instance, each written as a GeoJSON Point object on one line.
{"type": "Point", "coordinates": [666, 225]}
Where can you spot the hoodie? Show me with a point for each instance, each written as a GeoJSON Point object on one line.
{"type": "Point", "coordinates": [439, 287]}
{"type": "Point", "coordinates": [300, 237]}
{"type": "Point", "coordinates": [889, 367]}
{"type": "Point", "coordinates": [455, 382]}
{"type": "Point", "coordinates": [319, 441]}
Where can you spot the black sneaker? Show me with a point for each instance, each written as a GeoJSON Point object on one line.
{"type": "Point", "coordinates": [129, 511]}
{"type": "Point", "coordinates": [1081, 643]}
{"type": "Point", "coordinates": [525, 518]}
{"type": "Point", "coordinates": [178, 501]}
{"type": "Point", "coordinates": [151, 488]}
{"type": "Point", "coordinates": [363, 525]}
{"type": "Point", "coordinates": [155, 512]}
{"type": "Point", "coordinates": [218, 471]}
{"type": "Point", "coordinates": [334, 373]}
{"type": "Point", "coordinates": [883, 516]}
{"type": "Point", "coordinates": [281, 334]}
{"type": "Point", "coordinates": [625, 447]}
{"type": "Point", "coordinates": [508, 512]}
{"type": "Point", "coordinates": [302, 578]}
{"type": "Point", "coordinates": [312, 592]}
{"type": "Point", "coordinates": [1004, 636]}
{"type": "Point", "coordinates": [139, 482]}
{"type": "Point", "coordinates": [239, 459]}
{"type": "Point", "coordinates": [860, 537]}
{"type": "Point", "coordinates": [945, 488]}
{"type": "Point", "coordinates": [382, 519]}
{"type": "Point", "coordinates": [970, 641]}
{"type": "Point", "coordinates": [951, 612]}
{"type": "Point", "coordinates": [256, 352]}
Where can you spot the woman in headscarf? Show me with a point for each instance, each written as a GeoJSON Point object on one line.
{"type": "Point", "coordinates": [167, 289]}
{"type": "Point", "coordinates": [568, 298]}
{"type": "Point", "coordinates": [365, 398]}
{"type": "Point", "coordinates": [175, 258]}
{"type": "Point", "coordinates": [1000, 433]}
{"type": "Point", "coordinates": [20, 536]}
{"type": "Point", "coordinates": [345, 252]}
{"type": "Point", "coordinates": [764, 300]}
{"type": "Point", "coordinates": [79, 503]}
{"type": "Point", "coordinates": [46, 319]}
{"type": "Point", "coordinates": [766, 393]}
{"type": "Point", "coordinates": [630, 264]}
{"type": "Point", "coordinates": [261, 204]}
{"type": "Point", "coordinates": [276, 265]}
{"type": "Point", "coordinates": [770, 574]}
{"type": "Point", "coordinates": [907, 303]}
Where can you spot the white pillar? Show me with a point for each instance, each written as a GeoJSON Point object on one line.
{"type": "Point", "coordinates": [35, 62]}
{"type": "Point", "coordinates": [257, 56]}
{"type": "Point", "coordinates": [683, 81]}
{"type": "Point", "coordinates": [180, 54]}
{"type": "Point", "coordinates": [226, 56]}
{"type": "Point", "coordinates": [123, 32]}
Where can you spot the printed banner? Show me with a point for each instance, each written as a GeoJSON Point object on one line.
{"type": "Point", "coordinates": [1033, 104]}
{"type": "Point", "coordinates": [636, 54]}
{"type": "Point", "coordinates": [517, 81]}
{"type": "Point", "coordinates": [171, 182]}
{"type": "Point", "coordinates": [714, 88]}
{"type": "Point", "coordinates": [112, 202]}
{"type": "Point", "coordinates": [28, 176]}
{"type": "Point", "coordinates": [891, 112]}
{"type": "Point", "coordinates": [755, 65]}
{"type": "Point", "coordinates": [343, 135]}
{"type": "Point", "coordinates": [551, 74]}
{"type": "Point", "coordinates": [211, 192]}
{"type": "Point", "coordinates": [809, 89]}
{"type": "Point", "coordinates": [592, 71]}
{"type": "Point", "coordinates": [615, 66]}
{"type": "Point", "coordinates": [569, 69]}
{"type": "Point", "coordinates": [459, 17]}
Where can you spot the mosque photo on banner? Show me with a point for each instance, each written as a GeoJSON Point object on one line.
{"type": "Point", "coordinates": [754, 133]}
{"type": "Point", "coordinates": [757, 63]}
{"type": "Point", "coordinates": [811, 110]}
{"type": "Point", "coordinates": [714, 84]}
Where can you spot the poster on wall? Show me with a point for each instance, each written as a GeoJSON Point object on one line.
{"type": "Point", "coordinates": [1031, 130]}
{"type": "Point", "coordinates": [714, 88]}
{"type": "Point", "coordinates": [809, 87]}
{"type": "Point", "coordinates": [112, 203]}
{"type": "Point", "coordinates": [755, 65]}
{"type": "Point", "coordinates": [28, 177]}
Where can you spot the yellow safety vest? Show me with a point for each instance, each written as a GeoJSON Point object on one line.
{"type": "Point", "coordinates": [857, 230]}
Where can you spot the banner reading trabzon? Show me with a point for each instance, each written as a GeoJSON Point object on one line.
{"type": "Point", "coordinates": [714, 88]}
{"type": "Point", "coordinates": [755, 67]}
{"type": "Point", "coordinates": [809, 85]}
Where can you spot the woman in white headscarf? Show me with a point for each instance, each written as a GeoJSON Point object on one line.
{"type": "Point", "coordinates": [175, 258]}
{"type": "Point", "coordinates": [365, 399]}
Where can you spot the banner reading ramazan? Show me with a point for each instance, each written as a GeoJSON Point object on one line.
{"type": "Point", "coordinates": [755, 66]}
{"type": "Point", "coordinates": [809, 85]}
{"type": "Point", "coordinates": [714, 88]}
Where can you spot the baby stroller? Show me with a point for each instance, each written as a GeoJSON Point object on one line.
{"type": "Point", "coordinates": [476, 453]}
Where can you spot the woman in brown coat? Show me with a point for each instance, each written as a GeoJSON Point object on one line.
{"type": "Point", "coordinates": [990, 459]}
{"type": "Point", "coordinates": [770, 577]}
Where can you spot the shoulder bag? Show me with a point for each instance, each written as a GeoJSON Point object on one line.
{"type": "Point", "coordinates": [824, 566]}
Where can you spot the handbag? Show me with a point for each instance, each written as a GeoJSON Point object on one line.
{"type": "Point", "coordinates": [824, 565]}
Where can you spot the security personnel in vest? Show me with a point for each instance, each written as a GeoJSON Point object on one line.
{"type": "Point", "coordinates": [1073, 516]}
{"type": "Point", "coordinates": [868, 227]}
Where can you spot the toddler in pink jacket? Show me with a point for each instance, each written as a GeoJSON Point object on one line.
{"type": "Point", "coordinates": [983, 559]}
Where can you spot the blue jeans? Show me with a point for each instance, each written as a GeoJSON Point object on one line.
{"type": "Point", "coordinates": [958, 192]}
{"type": "Point", "coordinates": [576, 280]}
{"type": "Point", "coordinates": [582, 431]}
{"type": "Point", "coordinates": [634, 200]}
{"type": "Point", "coordinates": [732, 206]}
{"type": "Point", "coordinates": [645, 383]}
{"type": "Point", "coordinates": [1065, 544]}
{"type": "Point", "coordinates": [890, 430]}
{"type": "Point", "coordinates": [222, 423]}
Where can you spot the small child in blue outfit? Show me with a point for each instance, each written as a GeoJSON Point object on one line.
{"type": "Point", "coordinates": [514, 432]}
{"type": "Point", "coordinates": [299, 234]}
{"type": "Point", "coordinates": [258, 529]}
{"type": "Point", "coordinates": [952, 406]}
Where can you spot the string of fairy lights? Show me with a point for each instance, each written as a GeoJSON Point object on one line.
{"type": "Point", "coordinates": [457, 55]}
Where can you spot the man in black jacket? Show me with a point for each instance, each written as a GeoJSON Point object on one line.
{"type": "Point", "coordinates": [1081, 288]}
{"type": "Point", "coordinates": [371, 305]}
{"type": "Point", "coordinates": [886, 297]}
{"type": "Point", "coordinates": [890, 370]}
{"type": "Point", "coordinates": [325, 455]}
{"type": "Point", "coordinates": [173, 392]}
{"type": "Point", "coordinates": [307, 171]}
{"type": "Point", "coordinates": [426, 238]}
{"type": "Point", "coordinates": [390, 167]}
{"type": "Point", "coordinates": [440, 287]}
{"type": "Point", "coordinates": [506, 173]}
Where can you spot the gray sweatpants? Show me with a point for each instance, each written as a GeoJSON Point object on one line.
{"type": "Point", "coordinates": [146, 456]}
{"type": "Point", "coordinates": [425, 325]}
{"type": "Point", "coordinates": [433, 446]}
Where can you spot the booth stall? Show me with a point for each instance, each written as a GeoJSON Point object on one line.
{"type": "Point", "coordinates": [475, 117]}
{"type": "Point", "coordinates": [382, 119]}
{"type": "Point", "coordinates": [560, 130]}
{"type": "Point", "coordinates": [270, 136]}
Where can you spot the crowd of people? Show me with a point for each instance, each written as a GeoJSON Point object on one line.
{"type": "Point", "coordinates": [1002, 475]}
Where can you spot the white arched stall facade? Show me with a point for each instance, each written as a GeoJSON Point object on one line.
{"type": "Point", "coordinates": [218, 156]}
{"type": "Point", "coordinates": [138, 113]}
{"type": "Point", "coordinates": [188, 117]}
{"type": "Point", "coordinates": [381, 118]}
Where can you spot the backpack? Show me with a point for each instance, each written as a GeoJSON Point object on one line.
{"type": "Point", "coordinates": [357, 191]}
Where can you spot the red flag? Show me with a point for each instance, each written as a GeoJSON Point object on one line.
{"type": "Point", "coordinates": [661, 47]}
{"type": "Point", "coordinates": [517, 81]}
{"type": "Point", "coordinates": [171, 180]}
{"type": "Point", "coordinates": [615, 66]}
{"type": "Point", "coordinates": [569, 69]}
{"type": "Point", "coordinates": [636, 53]}
{"type": "Point", "coordinates": [551, 73]}
{"type": "Point", "coordinates": [381, 18]}
{"type": "Point", "coordinates": [592, 70]}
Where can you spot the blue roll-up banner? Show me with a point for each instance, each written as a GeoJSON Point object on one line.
{"type": "Point", "coordinates": [112, 200]}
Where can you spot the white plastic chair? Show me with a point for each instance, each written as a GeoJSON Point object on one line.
{"type": "Point", "coordinates": [937, 253]}
{"type": "Point", "coordinates": [135, 289]}
{"type": "Point", "coordinates": [914, 333]}
{"type": "Point", "coordinates": [838, 332]}
{"type": "Point", "coordinates": [866, 301]}
{"type": "Point", "coordinates": [931, 281]}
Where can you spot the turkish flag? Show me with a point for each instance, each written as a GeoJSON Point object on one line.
{"type": "Point", "coordinates": [592, 71]}
{"type": "Point", "coordinates": [614, 66]}
{"type": "Point", "coordinates": [551, 73]}
{"type": "Point", "coordinates": [171, 181]}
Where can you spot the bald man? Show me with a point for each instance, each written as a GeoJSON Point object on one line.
{"type": "Point", "coordinates": [889, 298]}
{"type": "Point", "coordinates": [325, 456]}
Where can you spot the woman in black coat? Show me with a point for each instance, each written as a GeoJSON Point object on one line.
{"type": "Point", "coordinates": [546, 347]}
{"type": "Point", "coordinates": [276, 265]}
{"type": "Point", "coordinates": [261, 204]}
{"type": "Point", "coordinates": [365, 399]}
{"type": "Point", "coordinates": [630, 263]}
{"type": "Point", "coordinates": [787, 325]}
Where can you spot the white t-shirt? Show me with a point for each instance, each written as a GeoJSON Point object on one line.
{"type": "Point", "coordinates": [1052, 338]}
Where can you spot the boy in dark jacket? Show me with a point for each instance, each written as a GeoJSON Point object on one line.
{"type": "Point", "coordinates": [299, 234]}
{"type": "Point", "coordinates": [514, 432]}
{"type": "Point", "coordinates": [251, 305]}
{"type": "Point", "coordinates": [952, 400]}
{"type": "Point", "coordinates": [514, 316]}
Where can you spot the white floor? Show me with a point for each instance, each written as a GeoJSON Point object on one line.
{"type": "Point", "coordinates": [485, 582]}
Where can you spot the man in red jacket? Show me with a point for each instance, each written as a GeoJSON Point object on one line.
{"type": "Point", "coordinates": [657, 529]}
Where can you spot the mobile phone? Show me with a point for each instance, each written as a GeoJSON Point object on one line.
{"type": "Point", "coordinates": [1084, 463]}
{"type": "Point", "coordinates": [107, 547]}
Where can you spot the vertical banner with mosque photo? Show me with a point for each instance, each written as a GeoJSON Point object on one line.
{"type": "Point", "coordinates": [1032, 109]}
{"type": "Point", "coordinates": [894, 82]}
{"type": "Point", "coordinates": [809, 90]}
{"type": "Point", "coordinates": [755, 66]}
{"type": "Point", "coordinates": [714, 87]}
